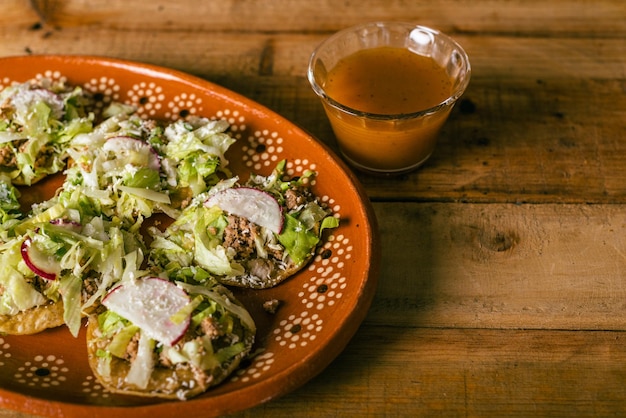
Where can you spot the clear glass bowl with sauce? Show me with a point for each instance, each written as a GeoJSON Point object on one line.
{"type": "Point", "coordinates": [388, 88]}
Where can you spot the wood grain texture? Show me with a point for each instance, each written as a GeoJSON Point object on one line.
{"type": "Point", "coordinates": [472, 373]}
{"type": "Point", "coordinates": [502, 290]}
{"type": "Point", "coordinates": [502, 266]}
{"type": "Point", "coordinates": [398, 371]}
{"type": "Point", "coordinates": [541, 121]}
{"type": "Point", "coordinates": [555, 18]}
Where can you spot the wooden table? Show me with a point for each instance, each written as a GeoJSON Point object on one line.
{"type": "Point", "coordinates": [503, 286]}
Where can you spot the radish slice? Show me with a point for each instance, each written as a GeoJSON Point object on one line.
{"type": "Point", "coordinates": [253, 204]}
{"type": "Point", "coordinates": [133, 151]}
{"type": "Point", "coordinates": [150, 303]}
{"type": "Point", "coordinates": [66, 223]}
{"type": "Point", "coordinates": [42, 265]}
{"type": "Point", "coordinates": [24, 99]}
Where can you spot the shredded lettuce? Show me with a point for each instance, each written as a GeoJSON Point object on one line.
{"type": "Point", "coordinates": [186, 311]}
{"type": "Point", "coordinates": [239, 311]}
{"type": "Point", "coordinates": [120, 341]}
{"type": "Point", "coordinates": [109, 322]}
{"type": "Point", "coordinates": [39, 122]}
{"type": "Point", "coordinates": [143, 365]}
{"type": "Point", "coordinates": [144, 178]}
{"type": "Point", "coordinates": [298, 241]}
{"type": "Point", "coordinates": [10, 213]}
{"type": "Point", "coordinates": [329, 222]}
{"type": "Point", "coordinates": [18, 294]}
{"type": "Point", "coordinates": [197, 148]}
{"type": "Point", "coordinates": [227, 353]}
{"type": "Point", "coordinates": [8, 196]}
{"type": "Point", "coordinates": [67, 239]}
{"type": "Point", "coordinates": [70, 289]}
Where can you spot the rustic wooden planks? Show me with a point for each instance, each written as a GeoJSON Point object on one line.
{"type": "Point", "coordinates": [406, 372]}
{"type": "Point", "coordinates": [533, 127]}
{"type": "Point", "coordinates": [549, 266]}
{"type": "Point", "coordinates": [502, 288]}
{"type": "Point", "coordinates": [554, 18]}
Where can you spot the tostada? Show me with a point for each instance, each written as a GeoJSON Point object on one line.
{"type": "Point", "coordinates": [253, 235]}
{"type": "Point", "coordinates": [168, 339]}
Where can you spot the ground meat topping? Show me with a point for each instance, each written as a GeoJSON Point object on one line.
{"type": "Point", "coordinates": [132, 348]}
{"type": "Point", "coordinates": [90, 287]}
{"type": "Point", "coordinates": [7, 157]}
{"type": "Point", "coordinates": [211, 328]}
{"type": "Point", "coordinates": [164, 360]}
{"type": "Point", "coordinates": [240, 235]}
{"type": "Point", "coordinates": [271, 306]}
{"type": "Point", "coordinates": [296, 197]}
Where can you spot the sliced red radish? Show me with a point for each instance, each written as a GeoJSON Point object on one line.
{"type": "Point", "coordinates": [253, 204]}
{"type": "Point", "coordinates": [66, 223]}
{"type": "Point", "coordinates": [44, 266]}
{"type": "Point", "coordinates": [134, 151]}
{"type": "Point", "coordinates": [150, 303]}
{"type": "Point", "coordinates": [25, 98]}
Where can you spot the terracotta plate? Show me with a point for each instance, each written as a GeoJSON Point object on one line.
{"type": "Point", "coordinates": [322, 306]}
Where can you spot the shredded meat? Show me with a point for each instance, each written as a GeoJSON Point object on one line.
{"type": "Point", "coordinates": [132, 348]}
{"type": "Point", "coordinates": [164, 360]}
{"type": "Point", "coordinates": [210, 328]}
{"type": "Point", "coordinates": [6, 110]}
{"type": "Point", "coordinates": [90, 287]}
{"type": "Point", "coordinates": [7, 157]}
{"type": "Point", "coordinates": [271, 306]}
{"type": "Point", "coordinates": [149, 125]}
{"type": "Point", "coordinates": [200, 376]}
{"type": "Point", "coordinates": [240, 235]}
{"type": "Point", "coordinates": [296, 197]}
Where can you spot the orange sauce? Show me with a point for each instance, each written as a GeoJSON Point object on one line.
{"type": "Point", "coordinates": [387, 81]}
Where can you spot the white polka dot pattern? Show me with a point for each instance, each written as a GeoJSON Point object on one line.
{"type": "Point", "coordinates": [262, 363]}
{"type": "Point", "coordinates": [93, 388]}
{"type": "Point", "coordinates": [262, 149]}
{"type": "Point", "coordinates": [4, 351]}
{"type": "Point", "coordinates": [235, 119]}
{"type": "Point", "coordinates": [105, 89]}
{"type": "Point", "coordinates": [42, 371]}
{"type": "Point", "coordinates": [322, 290]}
{"type": "Point", "coordinates": [147, 98]}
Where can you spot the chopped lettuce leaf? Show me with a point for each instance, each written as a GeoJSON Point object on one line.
{"type": "Point", "coordinates": [120, 341]}
{"type": "Point", "coordinates": [18, 294]}
{"type": "Point", "coordinates": [143, 365]}
{"type": "Point", "coordinates": [222, 301]}
{"type": "Point", "coordinates": [329, 222]}
{"type": "Point", "coordinates": [197, 147]}
{"type": "Point", "coordinates": [70, 290]}
{"type": "Point", "coordinates": [298, 241]}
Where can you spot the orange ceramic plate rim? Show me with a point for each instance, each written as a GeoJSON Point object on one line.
{"type": "Point", "coordinates": [276, 384]}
